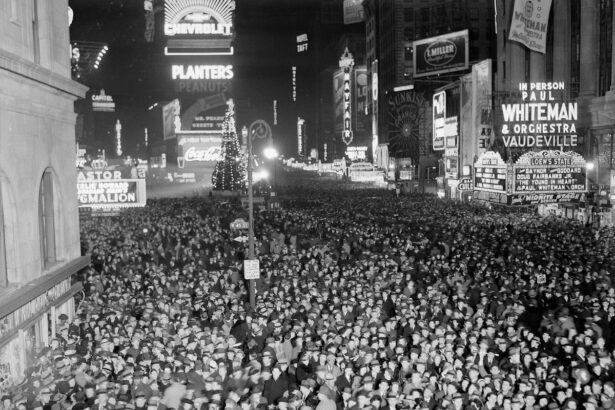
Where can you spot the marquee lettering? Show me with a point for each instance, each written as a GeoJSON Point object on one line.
{"type": "Point", "coordinates": [202, 72]}
{"type": "Point", "coordinates": [173, 29]}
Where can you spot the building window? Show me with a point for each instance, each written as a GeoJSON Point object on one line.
{"type": "Point", "coordinates": [504, 40]}
{"type": "Point", "coordinates": [15, 12]}
{"type": "Point", "coordinates": [408, 15]}
{"type": "Point", "coordinates": [408, 33]}
{"type": "Point", "coordinates": [606, 46]}
{"type": "Point", "coordinates": [408, 53]}
{"type": "Point", "coordinates": [46, 220]}
{"type": "Point", "coordinates": [503, 70]}
{"type": "Point", "coordinates": [35, 38]}
{"type": "Point", "coordinates": [3, 275]}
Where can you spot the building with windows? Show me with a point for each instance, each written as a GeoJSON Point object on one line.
{"type": "Point", "coordinates": [39, 221]}
{"type": "Point", "coordinates": [580, 53]}
{"type": "Point", "coordinates": [391, 28]}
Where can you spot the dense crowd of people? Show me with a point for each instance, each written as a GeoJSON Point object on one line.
{"type": "Point", "coordinates": [364, 302]}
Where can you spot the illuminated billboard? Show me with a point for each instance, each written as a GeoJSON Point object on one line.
{"type": "Point", "coordinates": [102, 102]}
{"type": "Point", "coordinates": [108, 190]}
{"type": "Point", "coordinates": [198, 150]}
{"type": "Point", "coordinates": [441, 54]}
{"type": "Point", "coordinates": [202, 78]}
{"type": "Point", "coordinates": [199, 27]}
{"type": "Point", "coordinates": [549, 172]}
{"type": "Point", "coordinates": [439, 120]}
{"type": "Point", "coordinates": [542, 119]}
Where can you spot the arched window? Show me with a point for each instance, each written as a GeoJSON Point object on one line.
{"type": "Point", "coordinates": [46, 220]}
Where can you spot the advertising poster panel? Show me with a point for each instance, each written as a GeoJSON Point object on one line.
{"type": "Point", "coordinates": [451, 163]}
{"type": "Point", "coordinates": [482, 105]}
{"type": "Point", "coordinates": [539, 199]}
{"type": "Point", "coordinates": [441, 54]}
{"type": "Point", "coordinates": [409, 124]}
{"type": "Point", "coordinates": [490, 173]}
{"type": "Point", "coordinates": [338, 101]}
{"type": "Point", "coordinates": [543, 118]}
{"type": "Point", "coordinates": [362, 121]}
{"type": "Point", "coordinates": [374, 105]}
{"type": "Point", "coordinates": [210, 120]}
{"type": "Point", "coordinates": [168, 119]}
{"type": "Point", "coordinates": [353, 11]}
{"type": "Point", "coordinates": [439, 120]}
{"type": "Point", "coordinates": [529, 24]}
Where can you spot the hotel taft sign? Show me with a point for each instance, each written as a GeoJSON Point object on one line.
{"type": "Point", "coordinates": [441, 54]}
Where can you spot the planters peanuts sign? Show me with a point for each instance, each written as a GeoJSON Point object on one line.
{"type": "Point", "coordinates": [442, 54]}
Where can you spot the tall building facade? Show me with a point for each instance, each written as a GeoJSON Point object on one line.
{"type": "Point", "coordinates": [579, 53]}
{"type": "Point", "coordinates": [39, 221]}
{"type": "Point", "coordinates": [391, 29]}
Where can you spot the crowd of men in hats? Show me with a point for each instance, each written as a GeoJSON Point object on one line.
{"type": "Point", "coordinates": [365, 302]}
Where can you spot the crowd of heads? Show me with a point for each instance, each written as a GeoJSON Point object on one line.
{"type": "Point", "coordinates": [365, 301]}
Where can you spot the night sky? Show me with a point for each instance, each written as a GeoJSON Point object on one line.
{"type": "Point", "coordinates": [136, 73]}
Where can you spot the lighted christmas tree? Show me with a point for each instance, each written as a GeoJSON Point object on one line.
{"type": "Point", "coordinates": [229, 171]}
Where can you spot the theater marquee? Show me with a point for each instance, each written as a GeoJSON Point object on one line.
{"type": "Point", "coordinates": [108, 190]}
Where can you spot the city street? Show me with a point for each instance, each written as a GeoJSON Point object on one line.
{"type": "Point", "coordinates": [364, 300]}
{"type": "Point", "coordinates": [307, 205]}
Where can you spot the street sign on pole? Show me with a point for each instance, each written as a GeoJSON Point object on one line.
{"type": "Point", "coordinates": [465, 184]}
{"type": "Point", "coordinates": [240, 223]}
{"type": "Point", "coordinates": [251, 269]}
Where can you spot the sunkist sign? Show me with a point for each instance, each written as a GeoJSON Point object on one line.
{"type": "Point", "coordinates": [540, 120]}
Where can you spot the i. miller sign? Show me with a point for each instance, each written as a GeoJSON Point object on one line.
{"type": "Point", "coordinates": [442, 54]}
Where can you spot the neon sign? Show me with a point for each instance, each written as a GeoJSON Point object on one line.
{"type": "Point", "coordinates": [209, 154]}
{"type": "Point", "coordinates": [202, 72]}
{"type": "Point", "coordinates": [199, 27]}
{"type": "Point", "coordinates": [346, 63]}
{"type": "Point", "coordinates": [541, 119]}
{"type": "Point", "coordinates": [173, 29]}
{"type": "Point", "coordinates": [300, 122]}
{"type": "Point", "coordinates": [294, 72]}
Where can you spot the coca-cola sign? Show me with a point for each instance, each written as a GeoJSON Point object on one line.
{"type": "Point", "coordinates": [210, 154]}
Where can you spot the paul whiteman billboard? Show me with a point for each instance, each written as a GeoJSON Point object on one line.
{"type": "Point", "coordinates": [441, 54]}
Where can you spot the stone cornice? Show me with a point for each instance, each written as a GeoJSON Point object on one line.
{"type": "Point", "coordinates": [20, 66]}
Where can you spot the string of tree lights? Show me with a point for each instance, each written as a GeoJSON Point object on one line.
{"type": "Point", "coordinates": [229, 173]}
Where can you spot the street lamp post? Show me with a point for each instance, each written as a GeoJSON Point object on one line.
{"type": "Point", "coordinates": [258, 129]}
{"type": "Point", "coordinates": [252, 282]}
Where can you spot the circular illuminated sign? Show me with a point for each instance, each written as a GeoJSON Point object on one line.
{"type": "Point", "coordinates": [440, 52]}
